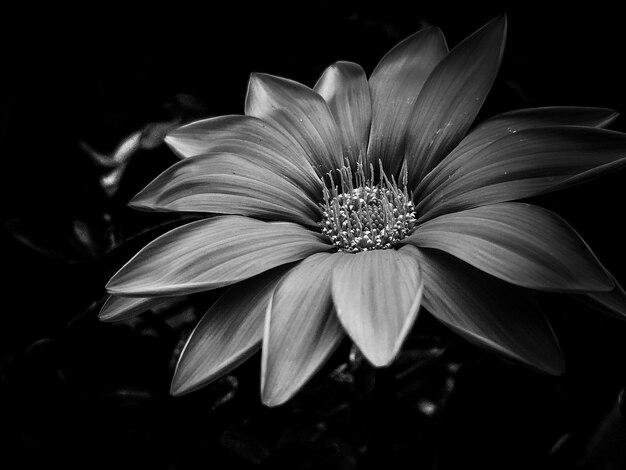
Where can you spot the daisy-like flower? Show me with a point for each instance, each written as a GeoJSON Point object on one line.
{"type": "Point", "coordinates": [348, 207]}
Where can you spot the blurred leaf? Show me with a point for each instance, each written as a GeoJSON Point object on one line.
{"type": "Point", "coordinates": [245, 445]}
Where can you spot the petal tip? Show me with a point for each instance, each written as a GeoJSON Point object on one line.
{"type": "Point", "coordinates": [381, 360]}
{"type": "Point", "coordinates": [104, 316]}
{"type": "Point", "coordinates": [273, 401]}
{"type": "Point", "coordinates": [182, 386]}
{"type": "Point", "coordinates": [140, 202]}
{"type": "Point", "coordinates": [177, 389]}
{"type": "Point", "coordinates": [556, 368]}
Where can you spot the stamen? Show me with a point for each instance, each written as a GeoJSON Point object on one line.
{"type": "Point", "coordinates": [367, 216]}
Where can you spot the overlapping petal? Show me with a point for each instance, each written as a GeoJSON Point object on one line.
{"type": "Point", "coordinates": [395, 85]}
{"type": "Point", "coordinates": [486, 311]}
{"type": "Point", "coordinates": [301, 113]}
{"type": "Point", "coordinates": [117, 308]}
{"type": "Point", "coordinates": [514, 121]}
{"type": "Point", "coordinates": [251, 138]}
{"type": "Point", "coordinates": [228, 333]}
{"type": "Point", "coordinates": [522, 164]}
{"type": "Point", "coordinates": [377, 295]}
{"type": "Point", "coordinates": [519, 243]}
{"type": "Point", "coordinates": [611, 303]}
{"type": "Point", "coordinates": [451, 98]}
{"type": "Point", "coordinates": [228, 184]}
{"type": "Point", "coordinates": [344, 87]}
{"type": "Point", "coordinates": [212, 253]}
{"type": "Point", "coordinates": [301, 328]}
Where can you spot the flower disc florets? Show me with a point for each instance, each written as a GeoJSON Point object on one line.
{"type": "Point", "coordinates": [365, 216]}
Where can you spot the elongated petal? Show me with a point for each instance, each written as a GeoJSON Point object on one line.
{"type": "Point", "coordinates": [250, 138]}
{"type": "Point", "coordinates": [344, 87]}
{"type": "Point", "coordinates": [452, 96]}
{"type": "Point", "coordinates": [301, 113]}
{"type": "Point", "coordinates": [227, 184]}
{"type": "Point", "coordinates": [487, 312]}
{"type": "Point", "coordinates": [122, 308]}
{"type": "Point", "coordinates": [611, 303]}
{"type": "Point", "coordinates": [520, 119]}
{"type": "Point", "coordinates": [523, 164]}
{"type": "Point", "coordinates": [519, 243]}
{"type": "Point", "coordinates": [301, 329]}
{"type": "Point", "coordinates": [212, 253]}
{"type": "Point", "coordinates": [395, 85]}
{"type": "Point", "coordinates": [228, 333]}
{"type": "Point", "coordinates": [512, 122]}
{"type": "Point", "coordinates": [377, 296]}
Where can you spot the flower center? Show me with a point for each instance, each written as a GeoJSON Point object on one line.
{"type": "Point", "coordinates": [365, 216]}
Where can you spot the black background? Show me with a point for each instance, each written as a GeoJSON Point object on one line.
{"type": "Point", "coordinates": [80, 393]}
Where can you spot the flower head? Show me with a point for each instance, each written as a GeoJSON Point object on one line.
{"type": "Point", "coordinates": [349, 206]}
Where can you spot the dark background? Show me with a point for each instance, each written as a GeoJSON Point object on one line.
{"type": "Point", "coordinates": [84, 394]}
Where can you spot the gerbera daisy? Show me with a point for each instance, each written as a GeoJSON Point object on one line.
{"type": "Point", "coordinates": [349, 207]}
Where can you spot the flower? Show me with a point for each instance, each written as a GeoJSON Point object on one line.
{"type": "Point", "coordinates": [347, 207]}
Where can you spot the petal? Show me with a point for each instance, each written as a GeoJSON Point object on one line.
{"type": "Point", "coordinates": [519, 243]}
{"type": "Point", "coordinates": [487, 312]}
{"type": "Point", "coordinates": [451, 98]}
{"type": "Point", "coordinates": [301, 113]}
{"type": "Point", "coordinates": [611, 303]}
{"type": "Point", "coordinates": [212, 253]}
{"type": "Point", "coordinates": [344, 87]}
{"type": "Point", "coordinates": [122, 308]}
{"type": "Point", "coordinates": [377, 295]}
{"type": "Point", "coordinates": [228, 333]}
{"type": "Point", "coordinates": [512, 122]}
{"type": "Point", "coordinates": [395, 85]}
{"type": "Point", "coordinates": [228, 184]}
{"type": "Point", "coordinates": [523, 164]}
{"type": "Point", "coordinates": [250, 138]}
{"type": "Point", "coordinates": [301, 329]}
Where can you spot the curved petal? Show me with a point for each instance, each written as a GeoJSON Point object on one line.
{"type": "Point", "coordinates": [523, 164]}
{"type": "Point", "coordinates": [451, 98]}
{"type": "Point", "coordinates": [251, 138]}
{"type": "Point", "coordinates": [611, 303]}
{"type": "Point", "coordinates": [228, 333]}
{"type": "Point", "coordinates": [301, 329]}
{"type": "Point", "coordinates": [117, 308]}
{"type": "Point", "coordinates": [395, 85]}
{"type": "Point", "coordinates": [301, 113]}
{"type": "Point", "coordinates": [518, 243]}
{"type": "Point", "coordinates": [227, 184]}
{"type": "Point", "coordinates": [344, 87]}
{"type": "Point", "coordinates": [377, 295]}
{"type": "Point", "coordinates": [487, 312]}
{"type": "Point", "coordinates": [514, 121]}
{"type": "Point", "coordinates": [212, 253]}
